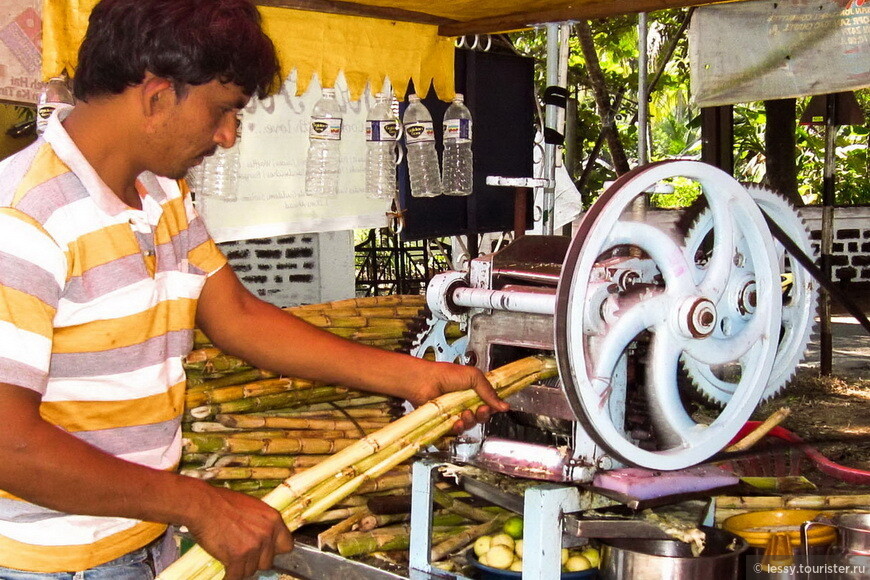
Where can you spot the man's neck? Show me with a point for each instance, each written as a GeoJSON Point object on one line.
{"type": "Point", "coordinates": [101, 133]}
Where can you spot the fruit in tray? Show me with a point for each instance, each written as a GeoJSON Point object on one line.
{"type": "Point", "coordinates": [504, 550]}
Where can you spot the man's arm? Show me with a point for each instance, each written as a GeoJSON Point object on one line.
{"type": "Point", "coordinates": [266, 336]}
{"type": "Point", "coordinates": [50, 467]}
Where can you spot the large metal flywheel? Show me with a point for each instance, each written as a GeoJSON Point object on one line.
{"type": "Point", "coordinates": [626, 279]}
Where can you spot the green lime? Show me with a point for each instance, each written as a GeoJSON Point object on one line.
{"type": "Point", "coordinates": [514, 527]}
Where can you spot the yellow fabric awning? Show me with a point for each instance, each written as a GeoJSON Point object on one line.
{"type": "Point", "coordinates": [366, 49]}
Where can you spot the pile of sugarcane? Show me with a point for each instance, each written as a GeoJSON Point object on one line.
{"type": "Point", "coordinates": [305, 496]}
{"type": "Point", "coordinates": [248, 429]}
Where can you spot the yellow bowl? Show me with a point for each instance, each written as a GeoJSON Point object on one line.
{"type": "Point", "coordinates": [758, 527]}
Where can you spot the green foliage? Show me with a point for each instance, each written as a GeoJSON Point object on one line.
{"type": "Point", "coordinates": [674, 127]}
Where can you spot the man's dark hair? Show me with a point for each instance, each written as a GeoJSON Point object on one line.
{"type": "Point", "coordinates": [190, 42]}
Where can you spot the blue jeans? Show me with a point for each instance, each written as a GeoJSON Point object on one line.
{"type": "Point", "coordinates": [142, 564]}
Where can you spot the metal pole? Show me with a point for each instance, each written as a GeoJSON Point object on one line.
{"type": "Point", "coordinates": [826, 342]}
{"type": "Point", "coordinates": [550, 117]}
{"type": "Point", "coordinates": [642, 96]}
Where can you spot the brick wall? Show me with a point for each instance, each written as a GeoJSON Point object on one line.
{"type": "Point", "coordinates": [850, 256]}
{"type": "Point", "coordinates": [294, 269]}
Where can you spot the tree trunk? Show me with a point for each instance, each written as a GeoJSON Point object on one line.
{"type": "Point", "coordinates": [780, 147]}
{"type": "Point", "coordinates": [602, 99]}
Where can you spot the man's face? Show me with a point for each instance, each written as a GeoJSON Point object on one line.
{"type": "Point", "coordinates": [194, 126]}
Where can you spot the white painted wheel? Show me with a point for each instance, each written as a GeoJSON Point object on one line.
{"type": "Point", "coordinates": [678, 313]}
{"type": "Point", "coordinates": [800, 299]}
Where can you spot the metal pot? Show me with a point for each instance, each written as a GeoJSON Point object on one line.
{"type": "Point", "coordinates": [641, 559]}
{"type": "Point", "coordinates": [851, 551]}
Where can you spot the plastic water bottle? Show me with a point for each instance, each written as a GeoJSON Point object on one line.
{"type": "Point", "coordinates": [422, 158]}
{"type": "Point", "coordinates": [382, 128]}
{"type": "Point", "coordinates": [218, 175]}
{"type": "Point", "coordinates": [458, 174]}
{"type": "Point", "coordinates": [323, 165]}
{"type": "Point", "coordinates": [54, 96]}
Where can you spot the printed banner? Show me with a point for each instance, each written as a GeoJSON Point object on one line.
{"type": "Point", "coordinates": [776, 49]}
{"type": "Point", "coordinates": [20, 50]}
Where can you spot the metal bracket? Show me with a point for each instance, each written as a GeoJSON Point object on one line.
{"type": "Point", "coordinates": [530, 182]}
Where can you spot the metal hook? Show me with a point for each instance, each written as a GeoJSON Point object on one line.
{"type": "Point", "coordinates": [488, 43]}
{"type": "Point", "coordinates": [395, 219]}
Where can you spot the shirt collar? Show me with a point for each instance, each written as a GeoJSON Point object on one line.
{"type": "Point", "coordinates": [67, 151]}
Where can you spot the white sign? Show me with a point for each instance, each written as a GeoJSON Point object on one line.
{"type": "Point", "coordinates": [273, 149]}
{"type": "Point", "coordinates": [776, 49]}
{"type": "Point", "coordinates": [20, 50]}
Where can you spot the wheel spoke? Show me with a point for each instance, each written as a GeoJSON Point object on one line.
{"type": "Point", "coordinates": [670, 419]}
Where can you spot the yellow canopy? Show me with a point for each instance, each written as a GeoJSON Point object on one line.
{"type": "Point", "coordinates": [366, 39]}
{"type": "Point", "coordinates": [366, 49]}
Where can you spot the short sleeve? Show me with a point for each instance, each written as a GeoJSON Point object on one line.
{"type": "Point", "coordinates": [32, 276]}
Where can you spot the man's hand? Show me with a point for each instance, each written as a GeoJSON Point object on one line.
{"type": "Point", "coordinates": [242, 532]}
{"type": "Point", "coordinates": [433, 379]}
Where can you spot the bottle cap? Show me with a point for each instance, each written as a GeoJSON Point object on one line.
{"type": "Point", "coordinates": [328, 92]}
{"type": "Point", "coordinates": [413, 98]}
{"type": "Point", "coordinates": [458, 97]}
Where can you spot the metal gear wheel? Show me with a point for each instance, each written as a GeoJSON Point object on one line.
{"type": "Point", "coordinates": [799, 300]}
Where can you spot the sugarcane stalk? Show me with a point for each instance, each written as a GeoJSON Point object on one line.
{"type": "Point", "coordinates": [326, 538]}
{"type": "Point", "coordinates": [250, 485]}
{"type": "Point", "coordinates": [239, 378]}
{"type": "Point", "coordinates": [360, 401]}
{"type": "Point", "coordinates": [338, 514]}
{"type": "Point", "coordinates": [820, 502]}
{"type": "Point", "coordinates": [225, 473]}
{"type": "Point", "coordinates": [384, 413]}
{"type": "Point", "coordinates": [209, 443]}
{"type": "Point", "coordinates": [759, 432]}
{"type": "Point", "coordinates": [200, 356]}
{"type": "Point", "coordinates": [452, 504]}
{"type": "Point", "coordinates": [398, 538]}
{"type": "Point", "coordinates": [256, 422]}
{"type": "Point", "coordinates": [269, 460]}
{"type": "Point", "coordinates": [274, 401]}
{"type": "Point", "coordinates": [378, 451]}
{"type": "Point", "coordinates": [455, 543]}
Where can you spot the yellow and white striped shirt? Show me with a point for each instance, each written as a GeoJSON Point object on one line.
{"type": "Point", "coordinates": [97, 307]}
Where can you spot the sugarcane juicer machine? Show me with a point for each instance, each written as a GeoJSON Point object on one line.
{"type": "Point", "coordinates": [643, 319]}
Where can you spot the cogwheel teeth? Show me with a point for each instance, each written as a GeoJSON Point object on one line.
{"type": "Point", "coordinates": [800, 300]}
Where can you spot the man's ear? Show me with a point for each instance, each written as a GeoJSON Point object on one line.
{"type": "Point", "coordinates": [155, 93]}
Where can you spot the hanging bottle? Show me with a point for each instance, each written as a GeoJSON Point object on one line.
{"type": "Point", "coordinates": [423, 167]}
{"type": "Point", "coordinates": [54, 96]}
{"type": "Point", "coordinates": [323, 167]}
{"type": "Point", "coordinates": [458, 173]}
{"type": "Point", "coordinates": [382, 129]}
{"type": "Point", "coordinates": [218, 176]}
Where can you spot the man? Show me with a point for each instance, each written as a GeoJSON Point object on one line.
{"type": "Point", "coordinates": [105, 268]}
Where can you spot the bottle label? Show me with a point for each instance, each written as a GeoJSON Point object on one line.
{"type": "Point", "coordinates": [44, 111]}
{"type": "Point", "coordinates": [458, 130]}
{"type": "Point", "coordinates": [419, 132]}
{"type": "Point", "coordinates": [381, 130]}
{"type": "Point", "coordinates": [325, 128]}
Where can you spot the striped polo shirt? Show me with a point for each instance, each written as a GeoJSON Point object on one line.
{"type": "Point", "coordinates": [97, 307]}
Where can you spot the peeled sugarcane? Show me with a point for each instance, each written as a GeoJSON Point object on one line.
{"type": "Point", "coordinates": [308, 494]}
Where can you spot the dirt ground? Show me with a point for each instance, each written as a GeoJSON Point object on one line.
{"type": "Point", "coordinates": [832, 413]}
